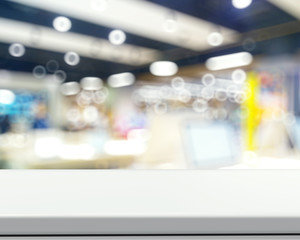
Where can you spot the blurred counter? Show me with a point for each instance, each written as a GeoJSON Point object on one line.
{"type": "Point", "coordinates": [103, 162]}
{"type": "Point", "coordinates": [267, 163]}
{"type": "Point", "coordinates": [55, 149]}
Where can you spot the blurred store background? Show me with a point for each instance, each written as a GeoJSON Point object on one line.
{"type": "Point", "coordinates": [156, 84]}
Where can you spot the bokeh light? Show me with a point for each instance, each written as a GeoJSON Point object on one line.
{"type": "Point", "coordinates": [52, 66]}
{"type": "Point", "coordinates": [239, 76]}
{"type": "Point", "coordinates": [208, 79]}
{"type": "Point", "coordinates": [177, 83]}
{"type": "Point", "coordinates": [117, 37]}
{"type": "Point", "coordinates": [62, 24]}
{"type": "Point", "coordinates": [207, 93]}
{"type": "Point", "coordinates": [160, 108]}
{"type": "Point", "coordinates": [221, 95]}
{"type": "Point", "coordinates": [59, 76]}
{"type": "Point", "coordinates": [240, 97]}
{"type": "Point", "coordinates": [84, 98]}
{"type": "Point", "coordinates": [6, 96]}
{"type": "Point", "coordinates": [200, 105]}
{"type": "Point", "coordinates": [72, 58]}
{"type": "Point", "coordinates": [184, 95]}
{"type": "Point", "coordinates": [249, 44]}
{"type": "Point", "coordinates": [232, 91]}
{"type": "Point", "coordinates": [215, 39]}
{"type": "Point", "coordinates": [16, 50]}
{"type": "Point", "coordinates": [39, 72]}
{"type": "Point", "coordinates": [90, 114]}
{"type": "Point", "coordinates": [99, 97]}
{"type": "Point", "coordinates": [241, 3]}
{"type": "Point", "coordinates": [163, 68]}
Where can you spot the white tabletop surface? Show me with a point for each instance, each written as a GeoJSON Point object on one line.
{"type": "Point", "coordinates": [149, 202]}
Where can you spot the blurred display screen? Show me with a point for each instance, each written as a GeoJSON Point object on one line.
{"type": "Point", "coordinates": [211, 145]}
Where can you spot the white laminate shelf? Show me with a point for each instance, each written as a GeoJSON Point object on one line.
{"type": "Point", "coordinates": [118, 202]}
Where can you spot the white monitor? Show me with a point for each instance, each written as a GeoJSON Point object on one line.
{"type": "Point", "coordinates": [210, 144]}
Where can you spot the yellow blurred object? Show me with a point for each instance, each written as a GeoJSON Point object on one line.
{"type": "Point", "coordinates": [253, 112]}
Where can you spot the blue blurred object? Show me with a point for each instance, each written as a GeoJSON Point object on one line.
{"type": "Point", "coordinates": [28, 107]}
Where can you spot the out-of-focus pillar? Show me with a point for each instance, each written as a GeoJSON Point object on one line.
{"type": "Point", "coordinates": [251, 112]}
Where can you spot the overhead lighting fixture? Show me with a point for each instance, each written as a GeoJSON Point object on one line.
{"type": "Point", "coordinates": [240, 4]}
{"type": "Point", "coordinates": [121, 79]}
{"type": "Point", "coordinates": [19, 33]}
{"type": "Point", "coordinates": [292, 7]}
{"type": "Point", "coordinates": [117, 37]}
{"type": "Point", "coordinates": [163, 68]}
{"type": "Point", "coordinates": [142, 18]}
{"type": "Point", "coordinates": [91, 83]}
{"type": "Point", "coordinates": [229, 61]}
{"type": "Point", "coordinates": [70, 88]}
{"type": "Point", "coordinates": [62, 24]}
